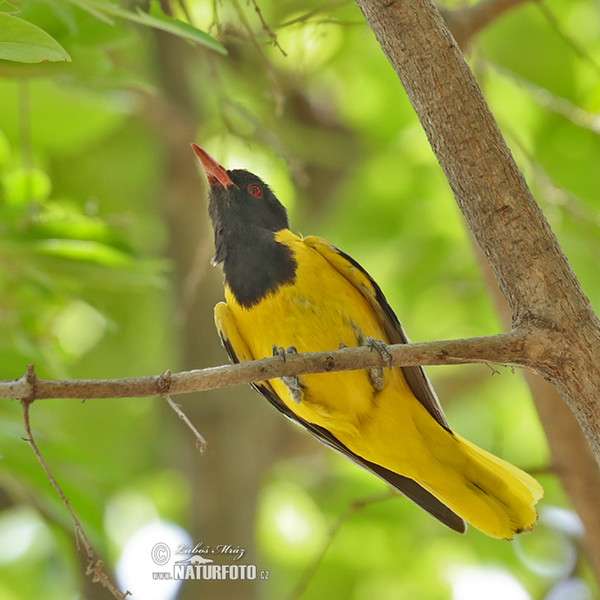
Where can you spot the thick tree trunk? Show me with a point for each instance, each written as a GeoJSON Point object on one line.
{"type": "Point", "coordinates": [546, 299]}
{"type": "Point", "coordinates": [571, 458]}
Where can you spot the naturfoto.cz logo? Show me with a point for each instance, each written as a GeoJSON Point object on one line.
{"type": "Point", "coordinates": [200, 567]}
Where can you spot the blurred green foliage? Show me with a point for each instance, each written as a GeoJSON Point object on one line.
{"type": "Point", "coordinates": [87, 290]}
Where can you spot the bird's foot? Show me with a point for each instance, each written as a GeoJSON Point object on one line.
{"type": "Point", "coordinates": [292, 383]}
{"type": "Point", "coordinates": [381, 347]}
{"type": "Point", "coordinates": [376, 373]}
{"type": "Point", "coordinates": [282, 352]}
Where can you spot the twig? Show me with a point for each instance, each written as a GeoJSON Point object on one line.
{"type": "Point", "coordinates": [553, 193]}
{"type": "Point", "coordinates": [277, 91]}
{"type": "Point", "coordinates": [350, 509]}
{"type": "Point", "coordinates": [201, 443]}
{"type": "Point", "coordinates": [549, 100]}
{"type": "Point", "coordinates": [165, 384]}
{"type": "Point", "coordinates": [326, 7]}
{"type": "Point", "coordinates": [567, 39]}
{"type": "Point", "coordinates": [465, 23]}
{"type": "Point", "coordinates": [94, 564]}
{"type": "Point", "coordinates": [514, 348]}
{"type": "Point", "coordinates": [267, 29]}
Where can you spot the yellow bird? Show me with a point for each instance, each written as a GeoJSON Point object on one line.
{"type": "Point", "coordinates": [305, 295]}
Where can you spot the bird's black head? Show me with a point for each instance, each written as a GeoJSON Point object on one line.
{"type": "Point", "coordinates": [241, 205]}
{"type": "Point", "coordinates": [245, 215]}
{"type": "Point", "coordinates": [245, 208]}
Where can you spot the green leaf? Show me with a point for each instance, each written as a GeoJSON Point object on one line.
{"type": "Point", "coordinates": [8, 7]}
{"type": "Point", "coordinates": [58, 223]}
{"type": "Point", "coordinates": [21, 41]}
{"type": "Point", "coordinates": [159, 20]}
{"type": "Point", "coordinates": [85, 251]}
{"type": "Point", "coordinates": [156, 19]}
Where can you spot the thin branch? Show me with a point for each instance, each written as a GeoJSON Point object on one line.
{"type": "Point", "coordinates": [514, 348]}
{"type": "Point", "coordinates": [201, 443]}
{"type": "Point", "coordinates": [466, 23]}
{"type": "Point", "coordinates": [267, 29]}
{"type": "Point", "coordinates": [327, 8]}
{"type": "Point", "coordinates": [351, 508]}
{"type": "Point", "coordinates": [277, 91]}
{"type": "Point", "coordinates": [586, 216]}
{"type": "Point", "coordinates": [567, 39]}
{"type": "Point", "coordinates": [549, 100]}
{"type": "Point", "coordinates": [95, 566]}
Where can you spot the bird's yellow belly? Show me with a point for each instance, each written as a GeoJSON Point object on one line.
{"type": "Point", "coordinates": [318, 312]}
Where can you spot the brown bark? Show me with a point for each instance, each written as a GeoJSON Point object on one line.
{"type": "Point", "coordinates": [501, 348]}
{"type": "Point", "coordinates": [545, 297]}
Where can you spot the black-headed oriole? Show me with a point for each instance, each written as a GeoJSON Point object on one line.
{"type": "Point", "coordinates": [282, 290]}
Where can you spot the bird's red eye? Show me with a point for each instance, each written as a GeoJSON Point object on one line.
{"type": "Point", "coordinates": [255, 190]}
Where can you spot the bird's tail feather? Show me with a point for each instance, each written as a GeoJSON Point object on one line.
{"type": "Point", "coordinates": [488, 492]}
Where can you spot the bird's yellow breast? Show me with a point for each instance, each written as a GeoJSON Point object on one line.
{"type": "Point", "coordinates": [318, 311]}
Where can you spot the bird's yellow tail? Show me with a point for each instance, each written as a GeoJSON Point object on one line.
{"type": "Point", "coordinates": [488, 492]}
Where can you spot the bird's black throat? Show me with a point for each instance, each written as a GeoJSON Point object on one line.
{"type": "Point", "coordinates": [255, 265]}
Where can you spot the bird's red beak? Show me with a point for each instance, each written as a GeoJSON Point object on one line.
{"type": "Point", "coordinates": [214, 171]}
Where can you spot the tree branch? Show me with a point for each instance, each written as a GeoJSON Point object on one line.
{"type": "Point", "coordinates": [533, 273]}
{"type": "Point", "coordinates": [513, 348]}
{"type": "Point", "coordinates": [466, 23]}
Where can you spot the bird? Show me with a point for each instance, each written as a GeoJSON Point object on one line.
{"type": "Point", "coordinates": [285, 294]}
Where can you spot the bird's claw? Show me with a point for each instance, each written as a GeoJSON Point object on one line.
{"type": "Point", "coordinates": [376, 373]}
{"type": "Point", "coordinates": [283, 352]}
{"type": "Point", "coordinates": [292, 383]}
{"type": "Point", "coordinates": [380, 347]}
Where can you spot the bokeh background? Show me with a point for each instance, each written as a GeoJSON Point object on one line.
{"type": "Point", "coordinates": [104, 272]}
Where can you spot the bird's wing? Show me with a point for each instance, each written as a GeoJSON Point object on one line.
{"type": "Point", "coordinates": [238, 351]}
{"type": "Point", "coordinates": [362, 281]}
